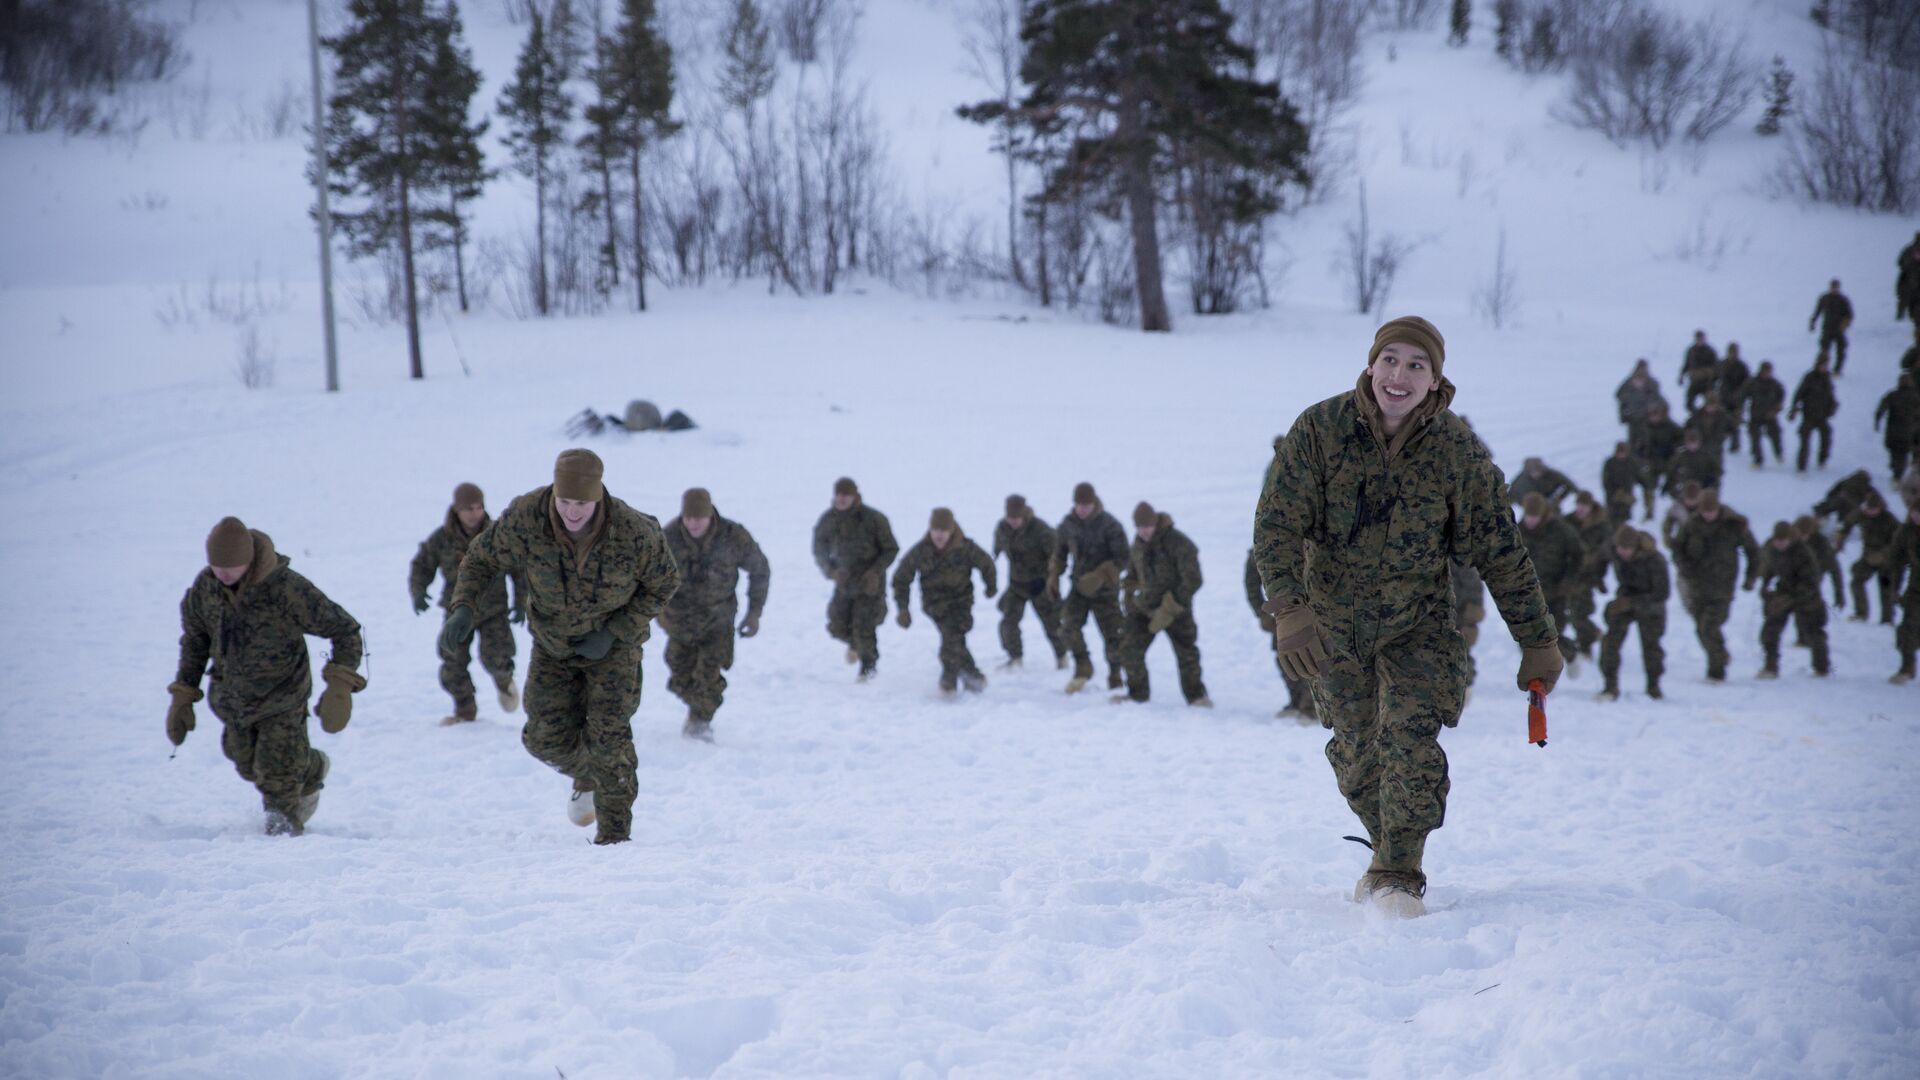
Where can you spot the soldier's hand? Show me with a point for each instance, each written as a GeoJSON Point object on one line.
{"type": "Point", "coordinates": [335, 707]}
{"type": "Point", "coordinates": [1748, 585]}
{"type": "Point", "coordinates": [992, 591]}
{"type": "Point", "coordinates": [519, 613]}
{"type": "Point", "coordinates": [180, 712]}
{"type": "Point", "coordinates": [1266, 622]}
{"type": "Point", "coordinates": [905, 618]}
{"type": "Point", "coordinates": [1053, 587]}
{"type": "Point", "coordinates": [420, 603]}
{"type": "Point", "coordinates": [1542, 662]}
{"type": "Point", "coordinates": [1297, 638]}
{"type": "Point", "coordinates": [457, 631]}
{"type": "Point", "coordinates": [592, 645]}
{"type": "Point", "coordinates": [750, 625]}
{"type": "Point", "coordinates": [839, 577]}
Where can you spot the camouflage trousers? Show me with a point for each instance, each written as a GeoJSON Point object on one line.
{"type": "Point", "coordinates": [274, 756]}
{"type": "Point", "coordinates": [853, 616]}
{"type": "Point", "coordinates": [1105, 609]}
{"type": "Point", "coordinates": [1770, 427]}
{"type": "Point", "coordinates": [580, 722]}
{"type": "Point", "coordinates": [496, 658]}
{"type": "Point", "coordinates": [1653, 626]}
{"type": "Point", "coordinates": [1183, 635]}
{"type": "Point", "coordinates": [1836, 340]}
{"type": "Point", "coordinates": [1557, 609]}
{"type": "Point", "coordinates": [1863, 572]}
{"type": "Point", "coordinates": [1808, 429]}
{"type": "Point", "coordinates": [1620, 507]}
{"type": "Point", "coordinates": [1907, 637]}
{"type": "Point", "coordinates": [1699, 385]}
{"type": "Point", "coordinates": [1580, 609]}
{"type": "Point", "coordinates": [953, 620]}
{"type": "Point", "coordinates": [1710, 609]}
{"type": "Point", "coordinates": [1013, 606]}
{"type": "Point", "coordinates": [1899, 453]}
{"type": "Point", "coordinates": [1386, 712]}
{"type": "Point", "coordinates": [1810, 623]}
{"type": "Point", "coordinates": [697, 654]}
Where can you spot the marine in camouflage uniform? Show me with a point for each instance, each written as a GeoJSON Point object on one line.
{"type": "Point", "coordinates": [1790, 589]}
{"type": "Point", "coordinates": [1089, 548]}
{"type": "Point", "coordinates": [1536, 476]}
{"type": "Point", "coordinates": [1845, 497]}
{"type": "Point", "coordinates": [1660, 441]}
{"type": "Point", "coordinates": [1619, 475]}
{"type": "Point", "coordinates": [1764, 399]}
{"type": "Point", "coordinates": [1299, 693]}
{"type": "Point", "coordinates": [1028, 543]}
{"type": "Point", "coordinates": [711, 552]}
{"type": "Point", "coordinates": [1641, 587]}
{"type": "Point", "coordinates": [1906, 565]}
{"type": "Point", "coordinates": [1899, 410]}
{"type": "Point", "coordinates": [1370, 497]}
{"type": "Point", "coordinates": [945, 560]}
{"type": "Point", "coordinates": [1697, 368]}
{"type": "Point", "coordinates": [1834, 312]}
{"type": "Point", "coordinates": [249, 614]}
{"type": "Point", "coordinates": [1824, 557]}
{"type": "Point", "coordinates": [1637, 396]}
{"type": "Point", "coordinates": [597, 571]}
{"type": "Point", "coordinates": [1814, 403]}
{"type": "Point", "coordinates": [1717, 428]}
{"type": "Point", "coordinates": [1706, 556]}
{"type": "Point", "coordinates": [853, 545]}
{"type": "Point", "coordinates": [1559, 560]}
{"type": "Point", "coordinates": [1730, 383]}
{"type": "Point", "coordinates": [1694, 463]}
{"type": "Point", "coordinates": [439, 556]}
{"type": "Point", "coordinates": [1876, 561]}
{"type": "Point", "coordinates": [1906, 284]}
{"type": "Point", "coordinates": [1590, 520]}
{"type": "Point", "coordinates": [1163, 573]}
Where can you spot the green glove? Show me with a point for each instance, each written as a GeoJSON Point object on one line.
{"type": "Point", "coordinates": [335, 707]}
{"type": "Point", "coordinates": [420, 603]}
{"type": "Point", "coordinates": [519, 613]}
{"type": "Point", "coordinates": [457, 631]}
{"type": "Point", "coordinates": [593, 645]}
{"type": "Point", "coordinates": [750, 625]}
{"type": "Point", "coordinates": [180, 713]}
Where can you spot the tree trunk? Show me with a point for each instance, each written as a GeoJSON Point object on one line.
{"type": "Point", "coordinates": [639, 235]}
{"type": "Point", "coordinates": [1013, 212]}
{"type": "Point", "coordinates": [1041, 257]}
{"type": "Point", "coordinates": [540, 235]}
{"type": "Point", "coordinates": [406, 268]}
{"type": "Point", "coordinates": [606, 200]}
{"type": "Point", "coordinates": [1137, 182]}
{"type": "Point", "coordinates": [459, 249]}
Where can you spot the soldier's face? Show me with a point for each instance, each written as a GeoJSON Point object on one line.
{"type": "Point", "coordinates": [575, 512]}
{"type": "Point", "coordinates": [1016, 523]}
{"type": "Point", "coordinates": [229, 575]}
{"type": "Point", "coordinates": [697, 527]}
{"type": "Point", "coordinates": [1625, 553]}
{"type": "Point", "coordinates": [940, 536]}
{"type": "Point", "coordinates": [1144, 532]}
{"type": "Point", "coordinates": [1402, 379]}
{"type": "Point", "coordinates": [471, 515]}
{"type": "Point", "coordinates": [1531, 521]}
{"type": "Point", "coordinates": [842, 502]}
{"type": "Point", "coordinates": [1710, 515]}
{"type": "Point", "coordinates": [1083, 511]}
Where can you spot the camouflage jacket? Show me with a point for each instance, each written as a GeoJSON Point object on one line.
{"type": "Point", "coordinates": [1364, 528]}
{"type": "Point", "coordinates": [854, 540]}
{"type": "Point", "coordinates": [1256, 595]}
{"type": "Point", "coordinates": [1795, 574]}
{"type": "Point", "coordinates": [1813, 399]}
{"type": "Point", "coordinates": [1637, 398]}
{"type": "Point", "coordinates": [1469, 593]}
{"type": "Point", "coordinates": [710, 569]}
{"type": "Point", "coordinates": [1167, 565]}
{"type": "Point", "coordinates": [624, 580]}
{"type": "Point", "coordinates": [1659, 441]}
{"type": "Point", "coordinates": [1596, 539]}
{"type": "Point", "coordinates": [1846, 496]}
{"type": "Point", "coordinates": [1702, 466]}
{"type": "Point", "coordinates": [1730, 379]}
{"type": "Point", "coordinates": [1698, 363]}
{"type": "Point", "coordinates": [1876, 534]}
{"type": "Point", "coordinates": [1559, 557]}
{"type": "Point", "coordinates": [1901, 411]}
{"type": "Point", "coordinates": [1642, 580]}
{"type": "Point", "coordinates": [1824, 558]}
{"type": "Point", "coordinates": [1833, 311]}
{"type": "Point", "coordinates": [1765, 395]}
{"type": "Point", "coordinates": [1620, 475]}
{"type": "Point", "coordinates": [256, 635]}
{"type": "Point", "coordinates": [1716, 425]}
{"type": "Point", "coordinates": [1707, 553]}
{"type": "Point", "coordinates": [439, 556]}
{"type": "Point", "coordinates": [946, 574]}
{"type": "Point", "coordinates": [1090, 543]}
{"type": "Point", "coordinates": [1027, 549]}
{"type": "Point", "coordinates": [1552, 484]}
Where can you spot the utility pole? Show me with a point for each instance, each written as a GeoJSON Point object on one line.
{"type": "Point", "coordinates": [320, 190]}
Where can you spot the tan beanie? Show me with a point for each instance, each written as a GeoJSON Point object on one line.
{"type": "Point", "coordinates": [1017, 506]}
{"type": "Point", "coordinates": [845, 486]}
{"type": "Point", "coordinates": [230, 544]}
{"type": "Point", "coordinates": [942, 520]}
{"type": "Point", "coordinates": [468, 495]}
{"type": "Point", "coordinates": [696, 503]}
{"type": "Point", "coordinates": [576, 476]}
{"type": "Point", "coordinates": [1411, 330]}
{"type": "Point", "coordinates": [1144, 514]}
{"type": "Point", "coordinates": [1083, 494]}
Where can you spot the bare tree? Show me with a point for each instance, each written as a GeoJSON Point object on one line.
{"type": "Point", "coordinates": [991, 36]}
{"type": "Point", "coordinates": [1372, 262]}
{"type": "Point", "coordinates": [1856, 141]}
{"type": "Point", "coordinates": [1656, 77]}
{"type": "Point", "coordinates": [1498, 297]}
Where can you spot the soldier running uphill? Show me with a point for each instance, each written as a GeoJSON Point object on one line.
{"type": "Point", "coordinates": [1163, 573]}
{"type": "Point", "coordinates": [1790, 589]}
{"type": "Point", "coordinates": [1027, 543]}
{"type": "Point", "coordinates": [1089, 548]}
{"type": "Point", "coordinates": [439, 555]}
{"type": "Point", "coordinates": [853, 545]}
{"type": "Point", "coordinates": [712, 552]}
{"type": "Point", "coordinates": [250, 615]}
{"type": "Point", "coordinates": [944, 560]}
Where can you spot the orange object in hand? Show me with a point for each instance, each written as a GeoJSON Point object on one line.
{"type": "Point", "coordinates": [1536, 713]}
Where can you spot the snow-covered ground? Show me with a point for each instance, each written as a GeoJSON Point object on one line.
{"type": "Point", "coordinates": [869, 881]}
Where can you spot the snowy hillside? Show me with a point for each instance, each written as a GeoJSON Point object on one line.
{"type": "Point", "coordinates": [868, 880]}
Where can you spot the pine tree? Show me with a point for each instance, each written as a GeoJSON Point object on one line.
{"type": "Point", "coordinates": [378, 131]}
{"type": "Point", "coordinates": [1506, 24]}
{"type": "Point", "coordinates": [537, 108]}
{"type": "Point", "coordinates": [1542, 48]}
{"type": "Point", "coordinates": [1154, 86]}
{"type": "Point", "coordinates": [453, 144]}
{"type": "Point", "coordinates": [1458, 22]}
{"type": "Point", "coordinates": [1779, 97]}
{"type": "Point", "coordinates": [600, 148]}
{"type": "Point", "coordinates": [746, 73]}
{"type": "Point", "coordinates": [638, 87]}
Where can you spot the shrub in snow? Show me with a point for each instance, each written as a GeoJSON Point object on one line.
{"type": "Point", "coordinates": [1656, 77]}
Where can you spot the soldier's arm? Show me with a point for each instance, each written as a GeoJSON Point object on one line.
{"type": "Point", "coordinates": [1291, 508]}
{"type": "Point", "coordinates": [999, 538]}
{"type": "Point", "coordinates": [903, 576]}
{"type": "Point", "coordinates": [196, 645]}
{"type": "Point", "coordinates": [889, 548]}
{"type": "Point", "coordinates": [658, 579]}
{"type": "Point", "coordinates": [1190, 579]}
{"type": "Point", "coordinates": [759, 574]}
{"type": "Point", "coordinates": [1118, 545]}
{"type": "Point", "coordinates": [319, 616]}
{"type": "Point", "coordinates": [821, 554]}
{"type": "Point", "coordinates": [488, 556]}
{"type": "Point", "coordinates": [426, 563]}
{"type": "Point", "coordinates": [1488, 539]}
{"type": "Point", "coordinates": [989, 573]}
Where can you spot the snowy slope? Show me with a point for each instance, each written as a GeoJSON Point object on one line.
{"type": "Point", "coordinates": [866, 881]}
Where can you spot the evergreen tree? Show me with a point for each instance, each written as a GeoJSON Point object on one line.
{"type": "Point", "coordinates": [1458, 22]}
{"type": "Point", "coordinates": [600, 148]}
{"type": "Point", "coordinates": [453, 144]}
{"type": "Point", "coordinates": [1542, 48]}
{"type": "Point", "coordinates": [638, 86]}
{"type": "Point", "coordinates": [536, 107]}
{"type": "Point", "coordinates": [378, 132]}
{"type": "Point", "coordinates": [1506, 24]}
{"type": "Point", "coordinates": [1151, 87]}
{"type": "Point", "coordinates": [1779, 97]}
{"type": "Point", "coordinates": [746, 73]}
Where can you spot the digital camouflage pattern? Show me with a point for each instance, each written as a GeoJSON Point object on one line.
{"type": "Point", "coordinates": [1361, 529]}
{"type": "Point", "coordinates": [1790, 589]}
{"type": "Point", "coordinates": [1717, 428]}
{"type": "Point", "coordinates": [1092, 554]}
{"type": "Point", "coordinates": [1834, 312]}
{"type": "Point", "coordinates": [1696, 372]}
{"type": "Point", "coordinates": [946, 595]}
{"type": "Point", "coordinates": [853, 548]}
{"type": "Point", "coordinates": [579, 711]}
{"type": "Point", "coordinates": [1706, 556]}
{"type": "Point", "coordinates": [439, 556]}
{"type": "Point", "coordinates": [1027, 549]}
{"type": "Point", "coordinates": [1814, 403]}
{"type": "Point", "coordinates": [1660, 439]}
{"type": "Point", "coordinates": [1163, 570]}
{"type": "Point", "coordinates": [1559, 560]}
{"type": "Point", "coordinates": [699, 621]}
{"type": "Point", "coordinates": [1826, 559]}
{"type": "Point", "coordinates": [1299, 693]}
{"type": "Point", "coordinates": [1845, 497]}
{"type": "Point", "coordinates": [255, 636]}
{"type": "Point", "coordinates": [1765, 397]}
{"type": "Point", "coordinates": [1876, 526]}
{"type": "Point", "coordinates": [1641, 588]}
{"type": "Point", "coordinates": [1638, 396]}
{"type": "Point", "coordinates": [1699, 464]}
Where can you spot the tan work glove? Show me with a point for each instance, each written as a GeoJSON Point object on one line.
{"type": "Point", "coordinates": [180, 713]}
{"type": "Point", "coordinates": [335, 707]}
{"type": "Point", "coordinates": [1164, 615]}
{"type": "Point", "coordinates": [1542, 662]}
{"type": "Point", "coordinates": [1297, 638]}
{"type": "Point", "coordinates": [1104, 576]}
{"type": "Point", "coordinates": [839, 577]}
{"type": "Point", "coordinates": [1266, 622]}
{"type": "Point", "coordinates": [1618, 607]}
{"type": "Point", "coordinates": [1470, 633]}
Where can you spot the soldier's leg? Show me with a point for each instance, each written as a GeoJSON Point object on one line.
{"type": "Point", "coordinates": [1770, 631]}
{"type": "Point", "coordinates": [1652, 628]}
{"type": "Point", "coordinates": [1346, 697]}
{"type": "Point", "coordinates": [1580, 610]}
{"type": "Point", "coordinates": [1418, 695]}
{"type": "Point", "coordinates": [1113, 636]}
{"type": "Point", "coordinates": [868, 611]}
{"type": "Point", "coordinates": [716, 659]}
{"type": "Point", "coordinates": [284, 764]}
{"type": "Point", "coordinates": [1906, 639]}
{"type": "Point", "coordinates": [555, 701]}
{"type": "Point", "coordinates": [455, 680]}
{"type": "Point", "coordinates": [1812, 625]}
{"type": "Point", "coordinates": [1013, 607]}
{"type": "Point", "coordinates": [1048, 609]}
{"type": "Point", "coordinates": [1074, 610]}
{"type": "Point", "coordinates": [1773, 436]}
{"type": "Point", "coordinates": [1826, 440]}
{"type": "Point", "coordinates": [611, 694]}
{"type": "Point", "coordinates": [1184, 636]}
{"type": "Point", "coordinates": [496, 650]}
{"type": "Point", "coordinates": [840, 614]}
{"type": "Point", "coordinates": [1886, 581]}
{"type": "Point", "coordinates": [1135, 643]}
{"type": "Point", "coordinates": [1557, 608]}
{"type": "Point", "coordinates": [1712, 615]}
{"type": "Point", "coordinates": [1806, 437]}
{"type": "Point", "coordinates": [1617, 626]}
{"type": "Point", "coordinates": [1753, 441]}
{"type": "Point", "coordinates": [1896, 459]}
{"type": "Point", "coordinates": [1857, 576]}
{"type": "Point", "coordinates": [1839, 351]}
